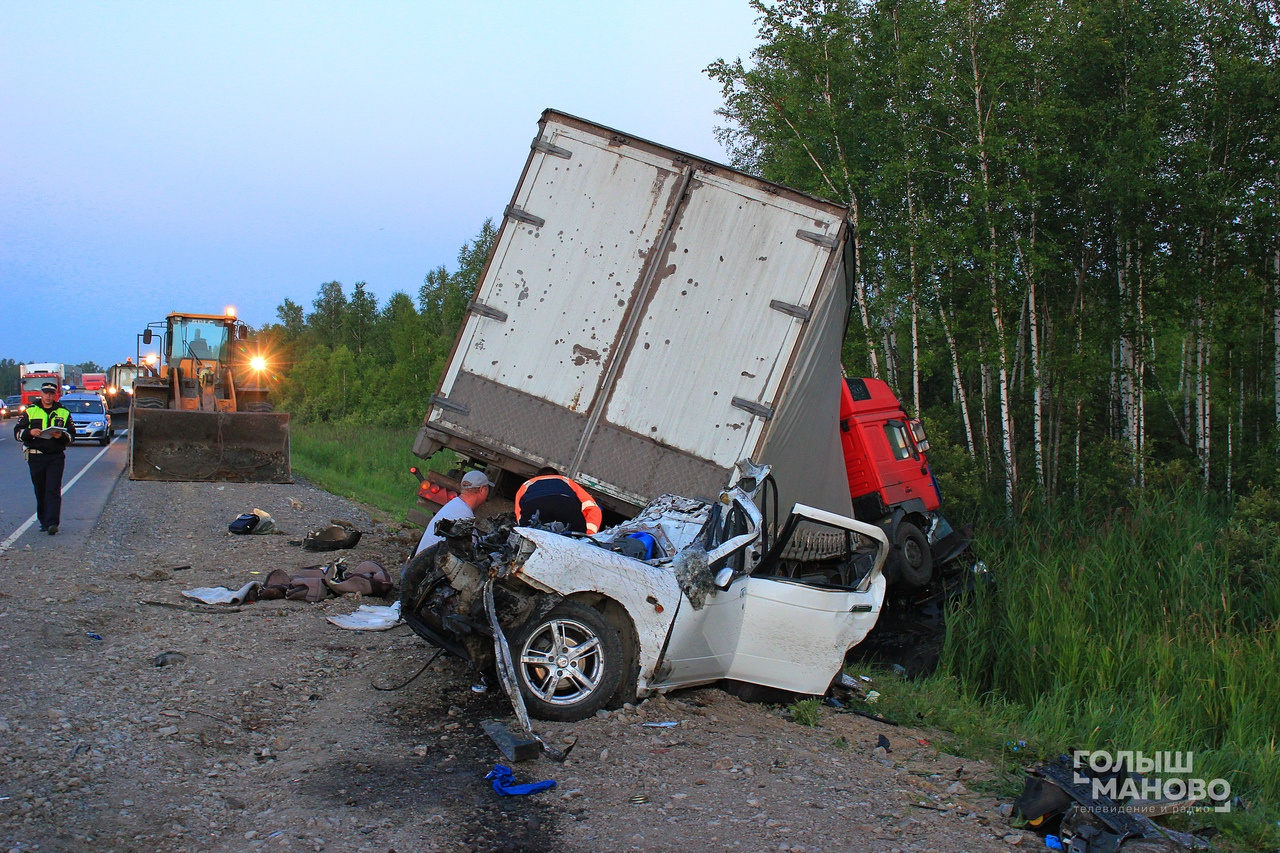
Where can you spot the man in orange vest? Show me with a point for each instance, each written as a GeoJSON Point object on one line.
{"type": "Point", "coordinates": [555, 497]}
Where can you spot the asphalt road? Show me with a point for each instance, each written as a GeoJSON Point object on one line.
{"type": "Point", "coordinates": [90, 475]}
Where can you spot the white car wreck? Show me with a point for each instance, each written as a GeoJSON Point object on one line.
{"type": "Point", "coordinates": [688, 592]}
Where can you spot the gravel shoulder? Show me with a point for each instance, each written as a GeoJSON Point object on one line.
{"type": "Point", "coordinates": [265, 731]}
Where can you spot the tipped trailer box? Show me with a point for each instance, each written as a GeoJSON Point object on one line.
{"type": "Point", "coordinates": [646, 319]}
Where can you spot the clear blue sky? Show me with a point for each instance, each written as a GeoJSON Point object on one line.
{"type": "Point", "coordinates": [189, 155]}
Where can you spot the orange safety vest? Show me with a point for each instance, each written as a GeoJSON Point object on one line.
{"type": "Point", "coordinates": [591, 513]}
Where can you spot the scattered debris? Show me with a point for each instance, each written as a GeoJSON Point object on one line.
{"type": "Point", "coordinates": [1054, 802]}
{"type": "Point", "coordinates": [311, 583]}
{"type": "Point", "coordinates": [257, 521]}
{"type": "Point", "coordinates": [504, 782]}
{"type": "Point", "coordinates": [512, 747]}
{"type": "Point", "coordinates": [331, 538]}
{"type": "Point", "coordinates": [368, 617]}
{"type": "Point", "coordinates": [221, 595]}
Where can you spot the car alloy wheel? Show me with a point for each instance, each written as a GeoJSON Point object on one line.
{"type": "Point", "coordinates": [568, 662]}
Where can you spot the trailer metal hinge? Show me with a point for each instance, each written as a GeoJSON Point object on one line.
{"type": "Point", "coordinates": [760, 410]}
{"type": "Point", "coordinates": [514, 211]}
{"type": "Point", "coordinates": [826, 241]}
{"type": "Point", "coordinates": [553, 150]}
{"type": "Point", "coordinates": [446, 403]}
{"type": "Point", "coordinates": [787, 308]}
{"type": "Point", "coordinates": [483, 310]}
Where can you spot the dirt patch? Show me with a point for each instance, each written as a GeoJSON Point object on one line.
{"type": "Point", "coordinates": [264, 730]}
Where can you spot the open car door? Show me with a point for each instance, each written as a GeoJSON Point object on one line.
{"type": "Point", "coordinates": [815, 594]}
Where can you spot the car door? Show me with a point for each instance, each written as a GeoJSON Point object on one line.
{"type": "Point", "coordinates": [812, 598]}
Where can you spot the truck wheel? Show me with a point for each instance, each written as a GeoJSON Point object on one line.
{"type": "Point", "coordinates": [568, 662]}
{"type": "Point", "coordinates": [911, 558]}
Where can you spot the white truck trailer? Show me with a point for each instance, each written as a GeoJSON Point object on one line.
{"type": "Point", "coordinates": [648, 318]}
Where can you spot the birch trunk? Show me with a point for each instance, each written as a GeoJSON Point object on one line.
{"type": "Point", "coordinates": [997, 317]}
{"type": "Point", "coordinates": [959, 383]}
{"type": "Point", "coordinates": [915, 339]}
{"type": "Point", "coordinates": [1033, 322]}
{"type": "Point", "coordinates": [1126, 362]}
{"type": "Point", "coordinates": [985, 396]}
{"type": "Point", "coordinates": [861, 290]}
{"type": "Point", "coordinates": [1140, 371]}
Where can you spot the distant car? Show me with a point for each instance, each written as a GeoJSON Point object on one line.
{"type": "Point", "coordinates": [12, 407]}
{"type": "Point", "coordinates": [89, 414]}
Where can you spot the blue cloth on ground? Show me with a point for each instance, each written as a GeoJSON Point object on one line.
{"type": "Point", "coordinates": [504, 782]}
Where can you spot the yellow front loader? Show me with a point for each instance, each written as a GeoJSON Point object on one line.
{"type": "Point", "coordinates": [204, 414]}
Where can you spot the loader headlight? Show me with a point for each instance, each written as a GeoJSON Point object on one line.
{"type": "Point", "coordinates": [258, 363]}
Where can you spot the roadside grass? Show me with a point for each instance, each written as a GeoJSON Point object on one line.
{"type": "Point", "coordinates": [369, 464]}
{"type": "Point", "coordinates": [806, 712]}
{"type": "Point", "coordinates": [1146, 632]}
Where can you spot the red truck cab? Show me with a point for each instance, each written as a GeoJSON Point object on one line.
{"type": "Point", "coordinates": [891, 483]}
{"type": "Point", "coordinates": [31, 383]}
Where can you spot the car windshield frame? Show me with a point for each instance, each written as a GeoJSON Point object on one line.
{"type": "Point", "coordinates": [83, 407]}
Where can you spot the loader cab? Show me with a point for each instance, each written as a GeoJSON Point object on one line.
{"type": "Point", "coordinates": [197, 343]}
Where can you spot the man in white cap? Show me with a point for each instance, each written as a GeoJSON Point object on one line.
{"type": "Point", "coordinates": [475, 491]}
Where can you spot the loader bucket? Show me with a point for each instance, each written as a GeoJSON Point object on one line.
{"type": "Point", "coordinates": [236, 447]}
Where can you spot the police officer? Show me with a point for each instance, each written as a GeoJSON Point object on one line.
{"type": "Point", "coordinates": [45, 430]}
{"type": "Point", "coordinates": [555, 497]}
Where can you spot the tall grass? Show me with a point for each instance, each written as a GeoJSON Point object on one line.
{"type": "Point", "coordinates": [1147, 631]}
{"type": "Point", "coordinates": [366, 463]}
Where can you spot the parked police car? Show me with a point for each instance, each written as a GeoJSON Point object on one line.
{"type": "Point", "coordinates": [89, 414]}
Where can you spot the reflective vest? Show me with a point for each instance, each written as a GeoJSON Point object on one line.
{"type": "Point", "coordinates": [551, 492]}
{"type": "Point", "coordinates": [38, 418]}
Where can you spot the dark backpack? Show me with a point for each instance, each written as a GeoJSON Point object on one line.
{"type": "Point", "coordinates": [246, 523]}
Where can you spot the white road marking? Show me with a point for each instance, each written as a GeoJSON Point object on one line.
{"type": "Point", "coordinates": [8, 543]}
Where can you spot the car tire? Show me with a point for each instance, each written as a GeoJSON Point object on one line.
{"type": "Point", "coordinates": [559, 678]}
{"type": "Point", "coordinates": [105, 440]}
{"type": "Point", "coordinates": [910, 563]}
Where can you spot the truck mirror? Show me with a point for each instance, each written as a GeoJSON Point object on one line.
{"type": "Point", "coordinates": [918, 435]}
{"type": "Point", "coordinates": [146, 336]}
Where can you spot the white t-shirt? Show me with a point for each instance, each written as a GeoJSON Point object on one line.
{"type": "Point", "coordinates": [454, 509]}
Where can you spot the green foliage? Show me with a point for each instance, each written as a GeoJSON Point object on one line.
{"type": "Point", "coordinates": [806, 712]}
{"type": "Point", "coordinates": [9, 379]}
{"type": "Point", "coordinates": [1085, 193]}
{"type": "Point", "coordinates": [351, 362]}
